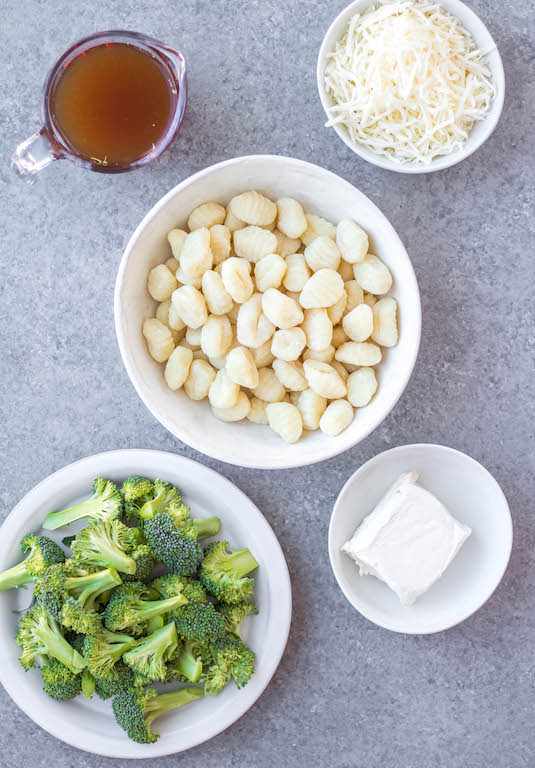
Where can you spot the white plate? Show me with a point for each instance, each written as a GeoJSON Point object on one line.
{"type": "Point", "coordinates": [471, 494]}
{"type": "Point", "coordinates": [90, 725]}
{"type": "Point", "coordinates": [481, 130]}
{"type": "Point", "coordinates": [319, 191]}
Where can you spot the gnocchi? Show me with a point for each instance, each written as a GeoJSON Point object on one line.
{"type": "Point", "coordinates": [281, 310]}
{"type": "Point", "coordinates": [253, 208]}
{"type": "Point", "coordinates": [206, 215]}
{"type": "Point", "coordinates": [177, 367]}
{"type": "Point", "coordinates": [253, 243]}
{"type": "Point", "coordinates": [291, 221]}
{"type": "Point", "coordinates": [285, 420]}
{"type": "Point", "coordinates": [337, 416]}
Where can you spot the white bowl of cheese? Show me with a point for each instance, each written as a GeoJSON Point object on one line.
{"type": "Point", "coordinates": [481, 129]}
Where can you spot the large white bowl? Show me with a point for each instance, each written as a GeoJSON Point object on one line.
{"type": "Point", "coordinates": [319, 191]}
{"type": "Point", "coordinates": [90, 725]}
{"type": "Point", "coordinates": [481, 130]}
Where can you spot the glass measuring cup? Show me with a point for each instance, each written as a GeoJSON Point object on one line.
{"type": "Point", "coordinates": [51, 143]}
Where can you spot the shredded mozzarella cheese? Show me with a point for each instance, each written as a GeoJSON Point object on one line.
{"type": "Point", "coordinates": [408, 81]}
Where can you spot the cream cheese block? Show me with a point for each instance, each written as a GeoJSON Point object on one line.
{"type": "Point", "coordinates": [408, 540]}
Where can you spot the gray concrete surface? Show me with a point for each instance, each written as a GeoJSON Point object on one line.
{"type": "Point", "coordinates": [347, 693]}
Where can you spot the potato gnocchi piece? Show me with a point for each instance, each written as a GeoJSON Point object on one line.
{"type": "Point", "coordinates": [253, 208]}
{"type": "Point", "coordinates": [269, 387]}
{"type": "Point", "coordinates": [323, 355]}
{"type": "Point", "coordinates": [200, 378]}
{"type": "Point", "coordinates": [241, 368]}
{"type": "Point", "coordinates": [162, 313]}
{"type": "Point", "coordinates": [339, 337]}
{"type": "Point", "coordinates": [253, 243]}
{"type": "Point", "coordinates": [161, 283]}
{"type": "Point", "coordinates": [322, 253]}
{"type": "Point", "coordinates": [172, 265]}
{"type": "Point", "coordinates": [236, 274]}
{"type": "Point", "coordinates": [346, 271]}
{"type": "Point", "coordinates": [337, 417]}
{"type": "Point", "coordinates": [352, 241]}
{"type": "Point", "coordinates": [184, 279]}
{"type": "Point", "coordinates": [318, 329]}
{"type": "Point", "coordinates": [176, 239]}
{"type": "Point", "coordinates": [358, 324]}
{"type": "Point", "coordinates": [355, 296]}
{"type": "Point", "coordinates": [336, 312]}
{"type": "Point", "coordinates": [291, 375]}
{"type": "Point", "coordinates": [196, 256]}
{"type": "Point", "coordinates": [317, 226]}
{"type": "Point", "coordinates": [288, 344]}
{"type": "Point", "coordinates": [361, 386]}
{"type": "Point", "coordinates": [159, 339]}
{"type": "Point", "coordinates": [218, 299]}
{"type": "Point", "coordinates": [233, 313]}
{"type": "Point", "coordinates": [223, 392]}
{"type": "Point", "coordinates": [253, 327]}
{"type": "Point", "coordinates": [232, 222]}
{"type": "Point", "coordinates": [311, 406]}
{"type": "Point", "coordinates": [174, 321]}
{"type": "Point", "coordinates": [206, 215]}
{"type": "Point", "coordinates": [220, 362]}
{"type": "Point", "coordinates": [193, 337]}
{"type": "Point", "coordinates": [285, 420]}
{"type": "Point", "coordinates": [385, 324]}
{"type": "Point", "coordinates": [177, 367]}
{"type": "Point", "coordinates": [340, 370]}
{"type": "Point", "coordinates": [291, 221]}
{"type": "Point", "coordinates": [297, 273]}
{"type": "Point", "coordinates": [237, 412]}
{"type": "Point", "coordinates": [324, 380]}
{"type": "Point", "coordinates": [269, 272]}
{"type": "Point", "coordinates": [281, 310]}
{"type": "Point", "coordinates": [220, 242]}
{"type": "Point", "coordinates": [286, 246]}
{"type": "Point", "coordinates": [322, 290]}
{"type": "Point", "coordinates": [190, 305]}
{"type": "Point", "coordinates": [216, 336]}
{"type": "Point", "coordinates": [263, 355]}
{"type": "Point", "coordinates": [359, 353]}
{"type": "Point", "coordinates": [372, 275]}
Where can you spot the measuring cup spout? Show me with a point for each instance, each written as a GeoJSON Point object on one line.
{"type": "Point", "coordinates": [34, 154]}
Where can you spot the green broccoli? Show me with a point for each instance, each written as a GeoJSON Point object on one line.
{"type": "Point", "coordinates": [135, 709]}
{"type": "Point", "coordinates": [178, 552]}
{"type": "Point", "coordinates": [234, 613]}
{"type": "Point", "coordinates": [123, 679]}
{"type": "Point", "coordinates": [103, 651]}
{"type": "Point", "coordinates": [131, 607]}
{"type": "Point", "coordinates": [164, 494]}
{"type": "Point", "coordinates": [71, 599]}
{"type": "Point", "coordinates": [106, 503]}
{"type": "Point", "coordinates": [143, 558]}
{"type": "Point", "coordinates": [88, 683]}
{"type": "Point", "coordinates": [198, 621]}
{"type": "Point", "coordinates": [42, 553]}
{"type": "Point", "coordinates": [59, 682]}
{"type": "Point", "coordinates": [232, 659]}
{"type": "Point", "coordinates": [106, 544]}
{"type": "Point", "coordinates": [39, 633]}
{"type": "Point", "coordinates": [206, 526]}
{"type": "Point", "coordinates": [172, 584]}
{"type": "Point", "coordinates": [150, 655]}
{"type": "Point", "coordinates": [188, 664]}
{"type": "Point", "coordinates": [136, 491]}
{"type": "Point", "coordinates": [222, 572]}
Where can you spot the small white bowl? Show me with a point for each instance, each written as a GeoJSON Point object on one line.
{"type": "Point", "coordinates": [481, 130]}
{"type": "Point", "coordinates": [472, 496]}
{"type": "Point", "coordinates": [90, 724]}
{"type": "Point", "coordinates": [320, 191]}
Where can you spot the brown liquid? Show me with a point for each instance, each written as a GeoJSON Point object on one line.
{"type": "Point", "coordinates": [113, 103]}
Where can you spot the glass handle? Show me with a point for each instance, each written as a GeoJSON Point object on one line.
{"type": "Point", "coordinates": [34, 154]}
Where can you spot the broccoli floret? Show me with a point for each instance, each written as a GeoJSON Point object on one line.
{"type": "Point", "coordinates": [198, 621]}
{"type": "Point", "coordinates": [135, 709]}
{"type": "Point", "coordinates": [42, 553]}
{"type": "Point", "coordinates": [172, 584]}
{"type": "Point", "coordinates": [106, 544]}
{"type": "Point", "coordinates": [232, 659]}
{"type": "Point", "coordinates": [164, 495]}
{"type": "Point", "coordinates": [39, 633]}
{"type": "Point", "coordinates": [234, 613]}
{"type": "Point", "coordinates": [88, 683]}
{"type": "Point", "coordinates": [188, 664]}
{"type": "Point", "coordinates": [71, 599]}
{"type": "Point", "coordinates": [106, 503]}
{"type": "Point", "coordinates": [122, 680]}
{"type": "Point", "coordinates": [131, 607]}
{"type": "Point", "coordinates": [136, 491]}
{"type": "Point", "coordinates": [145, 562]}
{"type": "Point", "coordinates": [150, 655]}
{"type": "Point", "coordinates": [222, 572]}
{"type": "Point", "coordinates": [103, 651]}
{"type": "Point", "coordinates": [178, 552]}
{"type": "Point", "coordinates": [59, 682]}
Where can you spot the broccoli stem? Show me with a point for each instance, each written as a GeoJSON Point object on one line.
{"type": "Point", "coordinates": [66, 516]}
{"type": "Point", "coordinates": [207, 526]}
{"type": "Point", "coordinates": [86, 589]}
{"type": "Point", "coordinates": [116, 559]}
{"type": "Point", "coordinates": [152, 608]}
{"type": "Point", "coordinates": [188, 664]}
{"type": "Point", "coordinates": [15, 577]}
{"type": "Point", "coordinates": [239, 563]}
{"type": "Point", "coordinates": [57, 647]}
{"type": "Point", "coordinates": [88, 683]}
{"type": "Point", "coordinates": [167, 701]}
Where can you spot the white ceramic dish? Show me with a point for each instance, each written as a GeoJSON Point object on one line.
{"type": "Point", "coordinates": [320, 191]}
{"type": "Point", "coordinates": [481, 130]}
{"type": "Point", "coordinates": [90, 725]}
{"type": "Point", "coordinates": [471, 494]}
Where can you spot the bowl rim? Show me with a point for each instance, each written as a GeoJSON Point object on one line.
{"type": "Point", "coordinates": [208, 450]}
{"type": "Point", "coordinates": [440, 163]}
{"type": "Point", "coordinates": [159, 749]}
{"type": "Point", "coordinates": [353, 599]}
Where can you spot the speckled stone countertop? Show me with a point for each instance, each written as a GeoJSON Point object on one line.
{"type": "Point", "coordinates": [347, 693]}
